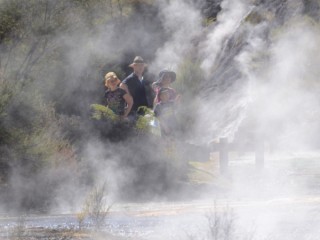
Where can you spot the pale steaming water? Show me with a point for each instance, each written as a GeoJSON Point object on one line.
{"type": "Point", "coordinates": [291, 218]}
{"type": "Point", "coordinates": [282, 201]}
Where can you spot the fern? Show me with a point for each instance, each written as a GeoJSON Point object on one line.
{"type": "Point", "coordinates": [101, 112]}
{"type": "Point", "coordinates": [143, 121]}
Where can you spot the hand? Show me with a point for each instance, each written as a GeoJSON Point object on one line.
{"type": "Point", "coordinates": [178, 98]}
{"type": "Point", "coordinates": [124, 118]}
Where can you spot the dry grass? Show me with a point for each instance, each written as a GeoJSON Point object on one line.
{"type": "Point", "coordinates": [95, 208]}
{"type": "Point", "coordinates": [204, 172]}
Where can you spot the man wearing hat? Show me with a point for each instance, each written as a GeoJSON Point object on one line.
{"type": "Point", "coordinates": [134, 85]}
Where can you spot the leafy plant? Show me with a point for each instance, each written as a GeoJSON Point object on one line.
{"type": "Point", "coordinates": [143, 121]}
{"type": "Point", "coordinates": [101, 112]}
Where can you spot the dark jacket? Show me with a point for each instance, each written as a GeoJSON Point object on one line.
{"type": "Point", "coordinates": [137, 91]}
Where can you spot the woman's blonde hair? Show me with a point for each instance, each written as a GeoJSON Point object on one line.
{"type": "Point", "coordinates": [110, 76]}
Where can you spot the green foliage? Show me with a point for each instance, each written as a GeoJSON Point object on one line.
{"type": "Point", "coordinates": [143, 121]}
{"type": "Point", "coordinates": [254, 17]}
{"type": "Point", "coordinates": [189, 77]}
{"type": "Point", "coordinates": [36, 131]}
{"type": "Point", "coordinates": [10, 17]}
{"type": "Point", "coordinates": [100, 112]}
{"type": "Point", "coordinates": [209, 21]}
{"type": "Point", "coordinates": [112, 127]}
{"type": "Point", "coordinates": [28, 31]}
{"type": "Point", "coordinates": [30, 130]}
{"type": "Point", "coordinates": [31, 142]}
{"type": "Point", "coordinates": [6, 93]}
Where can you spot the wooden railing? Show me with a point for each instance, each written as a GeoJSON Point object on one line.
{"type": "Point", "coordinates": [224, 147]}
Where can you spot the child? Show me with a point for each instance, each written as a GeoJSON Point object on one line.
{"type": "Point", "coordinates": [117, 99]}
{"type": "Point", "coordinates": [164, 111]}
{"type": "Point", "coordinates": [166, 77]}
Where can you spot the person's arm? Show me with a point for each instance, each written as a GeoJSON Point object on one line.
{"type": "Point", "coordinates": [177, 99]}
{"type": "Point", "coordinates": [175, 96]}
{"type": "Point", "coordinates": [124, 87]}
{"type": "Point", "coordinates": [155, 100]}
{"type": "Point", "coordinates": [127, 97]}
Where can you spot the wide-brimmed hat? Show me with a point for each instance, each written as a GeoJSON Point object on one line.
{"type": "Point", "coordinates": [164, 72]}
{"type": "Point", "coordinates": [137, 60]}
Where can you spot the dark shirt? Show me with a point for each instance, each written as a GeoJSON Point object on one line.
{"type": "Point", "coordinates": [137, 91]}
{"type": "Point", "coordinates": [115, 100]}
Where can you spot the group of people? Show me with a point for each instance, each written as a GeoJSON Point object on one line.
{"type": "Point", "coordinates": [125, 98]}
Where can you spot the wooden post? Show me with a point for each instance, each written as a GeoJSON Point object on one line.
{"type": "Point", "coordinates": [259, 152]}
{"type": "Point", "coordinates": [223, 155]}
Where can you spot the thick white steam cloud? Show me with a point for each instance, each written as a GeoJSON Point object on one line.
{"type": "Point", "coordinates": [272, 72]}
{"type": "Point", "coordinates": [182, 23]}
{"type": "Point", "coordinates": [228, 20]}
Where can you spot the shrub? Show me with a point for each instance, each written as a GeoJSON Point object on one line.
{"type": "Point", "coordinates": [95, 207]}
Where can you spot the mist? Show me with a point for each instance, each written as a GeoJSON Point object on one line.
{"type": "Point", "coordinates": [182, 23]}
{"type": "Point", "coordinates": [259, 66]}
{"type": "Point", "coordinates": [259, 74]}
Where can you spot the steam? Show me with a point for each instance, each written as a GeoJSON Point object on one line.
{"type": "Point", "coordinates": [228, 20]}
{"type": "Point", "coordinates": [249, 67]}
{"type": "Point", "coordinates": [182, 23]}
{"type": "Point", "coordinates": [260, 76]}
{"type": "Point", "coordinates": [287, 79]}
{"type": "Point", "coordinates": [252, 67]}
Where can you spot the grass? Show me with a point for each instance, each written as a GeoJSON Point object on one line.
{"type": "Point", "coordinates": [222, 224]}
{"type": "Point", "coordinates": [19, 231]}
{"type": "Point", "coordinates": [202, 172]}
{"type": "Point", "coordinates": [95, 208]}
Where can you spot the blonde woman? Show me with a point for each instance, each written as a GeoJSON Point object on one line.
{"type": "Point", "coordinates": [117, 99]}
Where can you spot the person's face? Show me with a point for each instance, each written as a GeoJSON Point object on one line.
{"type": "Point", "coordinates": [166, 80]}
{"type": "Point", "coordinates": [112, 82]}
{"type": "Point", "coordinates": [139, 68]}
